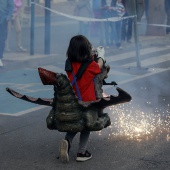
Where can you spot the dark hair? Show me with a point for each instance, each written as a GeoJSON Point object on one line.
{"type": "Point", "coordinates": [79, 49]}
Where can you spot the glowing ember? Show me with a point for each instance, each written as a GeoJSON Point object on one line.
{"type": "Point", "coordinates": [134, 124]}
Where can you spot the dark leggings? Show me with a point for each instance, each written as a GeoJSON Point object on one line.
{"type": "Point", "coordinates": [83, 140]}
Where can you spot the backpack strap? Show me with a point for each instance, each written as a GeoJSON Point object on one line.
{"type": "Point", "coordinates": [80, 72]}
{"type": "Point", "coordinates": [77, 88]}
{"type": "Point", "coordinates": [82, 68]}
{"type": "Point", "coordinates": [84, 65]}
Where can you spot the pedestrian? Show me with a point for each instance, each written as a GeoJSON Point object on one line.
{"type": "Point", "coordinates": [167, 10]}
{"type": "Point", "coordinates": [84, 9]}
{"type": "Point", "coordinates": [146, 5]}
{"type": "Point", "coordinates": [120, 9]}
{"type": "Point", "coordinates": [96, 5]}
{"type": "Point", "coordinates": [108, 12]}
{"type": "Point", "coordinates": [127, 27]}
{"type": "Point", "coordinates": [79, 52]}
{"type": "Point", "coordinates": [6, 11]}
{"type": "Point", "coordinates": [17, 25]}
{"type": "Point", "coordinates": [113, 8]}
{"type": "Point", "coordinates": [126, 33]}
{"type": "Point", "coordinates": [98, 27]}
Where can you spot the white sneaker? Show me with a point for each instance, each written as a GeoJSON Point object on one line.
{"type": "Point", "coordinates": [7, 50]}
{"type": "Point", "coordinates": [63, 151]}
{"type": "Point", "coordinates": [1, 63]}
{"type": "Point", "coordinates": [21, 49]}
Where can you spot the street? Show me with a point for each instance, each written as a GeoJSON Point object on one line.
{"type": "Point", "coordinates": [139, 135]}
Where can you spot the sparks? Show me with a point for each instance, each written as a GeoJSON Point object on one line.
{"type": "Point", "coordinates": [135, 124]}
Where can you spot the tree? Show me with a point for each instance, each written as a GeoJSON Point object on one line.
{"type": "Point", "coordinates": [156, 15]}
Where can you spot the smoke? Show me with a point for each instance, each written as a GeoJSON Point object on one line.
{"type": "Point", "coordinates": [148, 112]}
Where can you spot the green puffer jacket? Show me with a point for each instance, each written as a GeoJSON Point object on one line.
{"type": "Point", "coordinates": [71, 115]}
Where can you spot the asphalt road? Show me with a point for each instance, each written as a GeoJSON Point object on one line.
{"type": "Point", "coordinates": [26, 143]}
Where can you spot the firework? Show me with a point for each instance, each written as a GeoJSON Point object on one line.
{"type": "Point", "coordinates": [135, 124]}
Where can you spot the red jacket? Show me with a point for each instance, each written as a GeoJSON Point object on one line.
{"type": "Point", "coordinates": [85, 83]}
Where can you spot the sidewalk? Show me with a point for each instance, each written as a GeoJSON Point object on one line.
{"type": "Point", "coordinates": [55, 62]}
{"type": "Point", "coordinates": [144, 41]}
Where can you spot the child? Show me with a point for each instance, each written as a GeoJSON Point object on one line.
{"type": "Point", "coordinates": [79, 52]}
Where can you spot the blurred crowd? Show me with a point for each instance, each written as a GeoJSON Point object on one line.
{"type": "Point", "coordinates": [110, 33]}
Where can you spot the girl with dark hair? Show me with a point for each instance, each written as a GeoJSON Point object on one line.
{"type": "Point", "coordinates": [78, 53]}
{"type": "Point", "coordinates": [79, 49]}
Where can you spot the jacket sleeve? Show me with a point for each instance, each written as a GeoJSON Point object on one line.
{"type": "Point", "coordinates": [10, 5]}
{"type": "Point", "coordinates": [94, 68]}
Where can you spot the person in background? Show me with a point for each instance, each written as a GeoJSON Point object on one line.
{"type": "Point", "coordinates": [108, 12]}
{"type": "Point", "coordinates": [78, 52]}
{"type": "Point", "coordinates": [84, 10]}
{"type": "Point", "coordinates": [97, 27]}
{"type": "Point", "coordinates": [17, 24]}
{"type": "Point", "coordinates": [6, 11]}
{"type": "Point", "coordinates": [167, 10]}
{"type": "Point", "coordinates": [120, 9]}
{"type": "Point", "coordinates": [126, 33]}
{"type": "Point", "coordinates": [146, 3]}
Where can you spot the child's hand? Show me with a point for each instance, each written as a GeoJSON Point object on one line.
{"type": "Point", "coordinates": [101, 53]}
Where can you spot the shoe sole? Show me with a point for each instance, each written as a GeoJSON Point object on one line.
{"type": "Point", "coordinates": [21, 50]}
{"type": "Point", "coordinates": [83, 159]}
{"type": "Point", "coordinates": [63, 149]}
